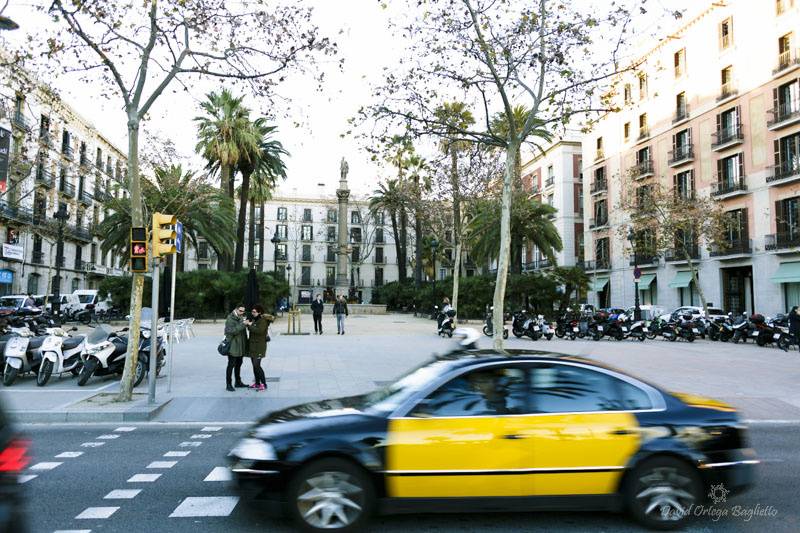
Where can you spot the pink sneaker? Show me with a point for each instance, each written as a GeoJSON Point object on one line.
{"type": "Point", "coordinates": [262, 388]}
{"type": "Point", "coordinates": [253, 386]}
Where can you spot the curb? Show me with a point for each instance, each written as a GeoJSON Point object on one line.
{"type": "Point", "coordinates": [144, 413]}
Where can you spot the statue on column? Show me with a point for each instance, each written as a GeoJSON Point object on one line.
{"type": "Point", "coordinates": [344, 169]}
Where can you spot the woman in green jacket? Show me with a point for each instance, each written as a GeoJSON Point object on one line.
{"type": "Point", "coordinates": [259, 331]}
{"type": "Point", "coordinates": [236, 333]}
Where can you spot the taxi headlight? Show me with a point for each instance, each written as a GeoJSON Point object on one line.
{"type": "Point", "coordinates": [254, 450]}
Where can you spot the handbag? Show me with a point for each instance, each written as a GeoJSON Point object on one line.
{"type": "Point", "coordinates": [224, 347]}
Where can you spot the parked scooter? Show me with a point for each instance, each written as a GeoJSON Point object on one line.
{"type": "Point", "coordinates": [544, 328]}
{"type": "Point", "coordinates": [446, 322]}
{"type": "Point", "coordinates": [22, 355]}
{"type": "Point", "coordinates": [60, 353]}
{"type": "Point", "coordinates": [488, 328]}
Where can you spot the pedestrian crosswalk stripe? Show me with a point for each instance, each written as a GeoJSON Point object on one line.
{"type": "Point", "coordinates": [201, 436]}
{"type": "Point", "coordinates": [96, 513]}
{"type": "Point", "coordinates": [190, 444]}
{"type": "Point", "coordinates": [162, 464]}
{"type": "Point", "coordinates": [73, 531]}
{"type": "Point", "coordinates": [92, 444]}
{"type": "Point", "coordinates": [69, 455]}
{"type": "Point", "coordinates": [205, 506]}
{"type": "Point", "coordinates": [211, 428]}
{"type": "Point", "coordinates": [108, 437]}
{"type": "Point", "coordinates": [45, 466]}
{"type": "Point", "coordinates": [144, 478]}
{"type": "Point", "coordinates": [24, 478]}
{"type": "Point", "coordinates": [176, 454]}
{"type": "Point", "coordinates": [122, 494]}
{"type": "Point", "coordinates": [125, 429]}
{"type": "Point", "coordinates": [220, 473]}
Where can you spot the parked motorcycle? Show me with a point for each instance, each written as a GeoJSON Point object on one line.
{"type": "Point", "coordinates": [60, 353]}
{"type": "Point", "coordinates": [488, 328]}
{"type": "Point", "coordinates": [446, 322]}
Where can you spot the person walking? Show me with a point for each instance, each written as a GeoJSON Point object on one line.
{"type": "Point", "coordinates": [257, 345]}
{"type": "Point", "coordinates": [236, 334]}
{"type": "Point", "coordinates": [317, 308]}
{"type": "Point", "coordinates": [794, 324]}
{"type": "Point", "coordinates": [340, 310]}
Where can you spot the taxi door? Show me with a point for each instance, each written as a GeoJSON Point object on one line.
{"type": "Point", "coordinates": [463, 440]}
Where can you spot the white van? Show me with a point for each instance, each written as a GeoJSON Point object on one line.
{"type": "Point", "coordinates": [91, 296]}
{"type": "Point", "coordinates": [70, 303]}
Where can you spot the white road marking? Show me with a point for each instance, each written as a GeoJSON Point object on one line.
{"type": "Point", "coordinates": [201, 436]}
{"type": "Point", "coordinates": [45, 466]}
{"type": "Point", "coordinates": [108, 437]}
{"type": "Point", "coordinates": [162, 464]}
{"type": "Point", "coordinates": [24, 478]}
{"type": "Point", "coordinates": [96, 512]}
{"type": "Point", "coordinates": [92, 444]}
{"type": "Point", "coordinates": [122, 494]}
{"type": "Point", "coordinates": [211, 428]}
{"type": "Point", "coordinates": [220, 473]}
{"type": "Point", "coordinates": [190, 444]}
{"type": "Point", "coordinates": [144, 478]}
{"type": "Point", "coordinates": [125, 429]}
{"type": "Point", "coordinates": [205, 506]}
{"type": "Point", "coordinates": [176, 454]}
{"type": "Point", "coordinates": [69, 455]}
{"type": "Point", "coordinates": [73, 531]}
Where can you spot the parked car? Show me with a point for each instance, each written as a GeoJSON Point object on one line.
{"type": "Point", "coordinates": [70, 303]}
{"type": "Point", "coordinates": [649, 312]}
{"type": "Point", "coordinates": [14, 304]}
{"type": "Point", "coordinates": [696, 312]}
{"type": "Point", "coordinates": [465, 431]}
{"type": "Point", "coordinates": [91, 297]}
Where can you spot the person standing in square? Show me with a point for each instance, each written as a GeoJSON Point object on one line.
{"type": "Point", "coordinates": [317, 308]}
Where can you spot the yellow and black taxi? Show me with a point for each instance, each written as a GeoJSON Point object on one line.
{"type": "Point", "coordinates": [481, 431]}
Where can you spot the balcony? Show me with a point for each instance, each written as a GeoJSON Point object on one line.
{"type": "Point", "coordinates": [19, 121]}
{"type": "Point", "coordinates": [681, 114]}
{"type": "Point", "coordinates": [682, 193]}
{"type": "Point", "coordinates": [599, 186]}
{"type": "Point", "coordinates": [80, 233]}
{"type": "Point", "coordinates": [643, 260]}
{"type": "Point", "coordinates": [678, 255]}
{"type": "Point", "coordinates": [67, 189]}
{"type": "Point", "coordinates": [84, 162]}
{"type": "Point", "coordinates": [599, 155]}
{"type": "Point", "coordinates": [683, 153]}
{"type": "Point", "coordinates": [787, 62]}
{"type": "Point", "coordinates": [787, 241]}
{"type": "Point", "coordinates": [536, 265]}
{"type": "Point", "coordinates": [644, 133]}
{"type": "Point", "coordinates": [727, 188]}
{"type": "Point", "coordinates": [85, 198]}
{"type": "Point", "coordinates": [727, 137]}
{"type": "Point", "coordinates": [66, 151]}
{"type": "Point", "coordinates": [37, 258]}
{"type": "Point", "coordinates": [733, 249]}
{"type": "Point", "coordinates": [727, 91]}
{"type": "Point", "coordinates": [379, 261]}
{"type": "Point", "coordinates": [598, 223]}
{"type": "Point", "coordinates": [15, 213]}
{"type": "Point", "coordinates": [786, 172]}
{"type": "Point", "coordinates": [101, 196]}
{"type": "Point", "coordinates": [593, 266]}
{"type": "Point", "coordinates": [642, 169]}
{"type": "Point", "coordinates": [43, 177]}
{"type": "Point", "coordinates": [785, 114]}
{"type": "Point", "coordinates": [550, 182]}
{"type": "Point", "coordinates": [46, 139]}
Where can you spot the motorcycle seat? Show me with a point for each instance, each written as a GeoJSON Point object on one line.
{"type": "Point", "coordinates": [72, 342]}
{"type": "Point", "coordinates": [36, 342]}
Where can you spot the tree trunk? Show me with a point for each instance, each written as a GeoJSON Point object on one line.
{"type": "Point", "coordinates": [418, 236]}
{"type": "Point", "coordinates": [696, 281]}
{"type": "Point", "coordinates": [251, 236]}
{"type": "Point", "coordinates": [263, 241]}
{"type": "Point", "coordinates": [137, 285]}
{"type": "Point", "coordinates": [505, 242]}
{"type": "Point", "coordinates": [223, 260]}
{"type": "Point", "coordinates": [403, 260]}
{"type": "Point", "coordinates": [243, 198]}
{"type": "Point", "coordinates": [456, 223]}
{"type": "Point", "coordinates": [397, 246]}
{"type": "Point", "coordinates": [516, 254]}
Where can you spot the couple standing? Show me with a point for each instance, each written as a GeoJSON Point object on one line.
{"type": "Point", "coordinates": [237, 327]}
{"type": "Point", "coordinates": [339, 309]}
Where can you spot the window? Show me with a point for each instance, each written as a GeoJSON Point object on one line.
{"type": "Point", "coordinates": [355, 217]}
{"type": "Point", "coordinates": [642, 86]}
{"type": "Point", "coordinates": [627, 93]}
{"type": "Point", "coordinates": [786, 101]}
{"type": "Point", "coordinates": [355, 235]}
{"type": "Point", "coordinates": [600, 213]}
{"type": "Point", "coordinates": [282, 231]}
{"type": "Point", "coordinates": [306, 252]}
{"type": "Point", "coordinates": [684, 184]}
{"type": "Point", "coordinates": [78, 257]}
{"type": "Point", "coordinates": [93, 257]}
{"type": "Point", "coordinates": [681, 145]}
{"type": "Point", "coordinates": [730, 170]}
{"type": "Point", "coordinates": [680, 62]}
{"type": "Point", "coordinates": [281, 253]}
{"type": "Point", "coordinates": [483, 392]}
{"type": "Point", "coordinates": [305, 275]}
{"type": "Point", "coordinates": [599, 145]}
{"type": "Point", "coordinates": [736, 233]}
{"type": "Point", "coordinates": [602, 252]}
{"type": "Point", "coordinates": [66, 149]}
{"type": "Point", "coordinates": [306, 215]}
{"type": "Point", "coordinates": [76, 284]}
{"type": "Point", "coordinates": [378, 276]}
{"type": "Point", "coordinates": [729, 127]}
{"type": "Point", "coordinates": [726, 82]}
{"type": "Point", "coordinates": [787, 221]}
{"type": "Point", "coordinates": [785, 56]}
{"type": "Point", "coordinates": [331, 234]}
{"type": "Point", "coordinates": [643, 196]}
{"type": "Point", "coordinates": [550, 176]}
{"type": "Point", "coordinates": [557, 388]}
{"type": "Point", "coordinates": [681, 108]}
{"type": "Point", "coordinates": [643, 130]}
{"type": "Point", "coordinates": [330, 255]}
{"type": "Point", "coordinates": [379, 236]}
{"type": "Point", "coordinates": [33, 283]}
{"type": "Point", "coordinates": [379, 255]}
{"type": "Point", "coordinates": [330, 276]}
{"type": "Point", "coordinates": [725, 34]}
{"type": "Point", "coordinates": [626, 129]}
{"type": "Point", "coordinates": [202, 250]}
{"type": "Point", "coordinates": [781, 6]}
{"type": "Point", "coordinates": [306, 232]}
{"type": "Point", "coordinates": [355, 256]}
{"type": "Point", "coordinates": [332, 216]}
{"type": "Point", "coordinates": [44, 127]}
{"type": "Point", "coordinates": [787, 156]}
{"type": "Point", "coordinates": [380, 218]}
{"type": "Point", "coordinates": [281, 213]}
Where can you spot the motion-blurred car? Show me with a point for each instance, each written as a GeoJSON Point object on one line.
{"type": "Point", "coordinates": [14, 459]}
{"type": "Point", "coordinates": [695, 311]}
{"type": "Point", "coordinates": [477, 430]}
{"type": "Point", "coordinates": [15, 304]}
{"type": "Point", "coordinates": [649, 312]}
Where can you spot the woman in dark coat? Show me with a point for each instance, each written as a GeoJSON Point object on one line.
{"type": "Point", "coordinates": [259, 330]}
{"type": "Point", "coordinates": [794, 324]}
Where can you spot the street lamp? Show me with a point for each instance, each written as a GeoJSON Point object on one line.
{"type": "Point", "coordinates": [289, 281]}
{"type": "Point", "coordinates": [275, 240]}
{"type": "Point", "coordinates": [434, 246]}
{"type": "Point", "coordinates": [637, 311]}
{"type": "Point", "coordinates": [62, 215]}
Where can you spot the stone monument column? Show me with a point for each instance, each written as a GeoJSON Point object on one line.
{"type": "Point", "coordinates": [342, 194]}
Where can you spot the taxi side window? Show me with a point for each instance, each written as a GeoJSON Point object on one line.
{"type": "Point", "coordinates": [557, 388]}
{"type": "Point", "coordinates": [483, 392]}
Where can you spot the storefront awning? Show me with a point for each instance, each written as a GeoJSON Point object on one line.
{"type": "Point", "coordinates": [787, 273]}
{"type": "Point", "coordinates": [645, 280]}
{"type": "Point", "coordinates": [598, 284]}
{"type": "Point", "coordinates": [681, 280]}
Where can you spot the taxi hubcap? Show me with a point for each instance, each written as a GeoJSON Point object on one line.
{"type": "Point", "coordinates": [665, 494]}
{"type": "Point", "coordinates": [330, 500]}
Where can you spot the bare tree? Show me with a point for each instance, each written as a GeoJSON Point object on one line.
{"type": "Point", "coordinates": [134, 51]}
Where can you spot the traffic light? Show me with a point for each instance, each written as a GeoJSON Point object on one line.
{"type": "Point", "coordinates": [138, 251]}
{"type": "Point", "coordinates": [163, 234]}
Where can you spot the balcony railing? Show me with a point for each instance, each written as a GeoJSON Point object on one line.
{"type": "Point", "coordinates": [536, 265]}
{"type": "Point", "coordinates": [786, 60]}
{"type": "Point", "coordinates": [681, 113]}
{"type": "Point", "coordinates": [735, 247]}
{"type": "Point", "coordinates": [642, 169]}
{"type": "Point", "coordinates": [37, 258]}
{"type": "Point", "coordinates": [66, 151]}
{"type": "Point", "coordinates": [84, 161]}
{"type": "Point", "coordinates": [784, 114]}
{"type": "Point", "coordinates": [678, 254]}
{"type": "Point", "coordinates": [44, 177]}
{"type": "Point", "coordinates": [642, 259]}
{"type": "Point", "coordinates": [15, 212]}
{"type": "Point", "coordinates": [728, 186]}
{"type": "Point", "coordinates": [785, 171]}
{"type": "Point", "coordinates": [549, 182]}
{"type": "Point", "coordinates": [727, 90]}
{"type": "Point", "coordinates": [85, 198]}
{"type": "Point", "coordinates": [67, 189]}
{"type": "Point", "coordinates": [597, 223]}
{"type": "Point", "coordinates": [46, 139]}
{"type": "Point", "coordinates": [729, 135]}
{"type": "Point", "coordinates": [782, 240]}
{"type": "Point", "coordinates": [682, 153]}
{"type": "Point", "coordinates": [80, 233]}
{"type": "Point", "coordinates": [101, 196]}
{"type": "Point", "coordinates": [599, 186]}
{"type": "Point", "coordinates": [19, 121]}
{"type": "Point", "coordinates": [683, 193]}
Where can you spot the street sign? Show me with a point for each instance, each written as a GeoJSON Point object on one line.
{"type": "Point", "coordinates": [179, 237]}
{"type": "Point", "coordinates": [637, 273]}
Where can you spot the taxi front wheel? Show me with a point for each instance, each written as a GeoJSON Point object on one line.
{"type": "Point", "coordinates": [331, 494]}
{"type": "Point", "coordinates": [661, 493]}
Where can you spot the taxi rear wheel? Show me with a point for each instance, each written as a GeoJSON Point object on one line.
{"type": "Point", "coordinates": [661, 493]}
{"type": "Point", "coordinates": [331, 495]}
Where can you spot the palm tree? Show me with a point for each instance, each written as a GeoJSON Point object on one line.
{"type": "Point", "coordinates": [530, 221]}
{"type": "Point", "coordinates": [416, 166]}
{"type": "Point", "coordinates": [260, 192]}
{"type": "Point", "coordinates": [265, 162]}
{"type": "Point", "coordinates": [390, 197]}
{"type": "Point", "coordinates": [203, 209]}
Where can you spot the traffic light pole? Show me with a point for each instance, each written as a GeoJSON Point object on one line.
{"type": "Point", "coordinates": [172, 320]}
{"type": "Point", "coordinates": [151, 375]}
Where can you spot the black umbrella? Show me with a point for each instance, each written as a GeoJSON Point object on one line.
{"type": "Point", "coordinates": [251, 296]}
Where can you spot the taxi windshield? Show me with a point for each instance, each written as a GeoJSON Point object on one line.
{"type": "Point", "coordinates": [388, 398]}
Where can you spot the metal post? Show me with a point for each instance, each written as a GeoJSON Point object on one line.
{"type": "Point", "coordinates": [56, 306]}
{"type": "Point", "coordinates": [172, 321]}
{"type": "Point", "coordinates": [151, 376]}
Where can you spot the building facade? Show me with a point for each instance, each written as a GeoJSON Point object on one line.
{"type": "Point", "coordinates": [713, 110]}
{"type": "Point", "coordinates": [54, 159]}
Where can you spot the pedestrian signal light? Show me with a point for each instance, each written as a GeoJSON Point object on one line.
{"type": "Point", "coordinates": [138, 250]}
{"type": "Point", "coordinates": [164, 234]}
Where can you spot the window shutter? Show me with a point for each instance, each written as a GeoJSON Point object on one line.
{"type": "Point", "coordinates": [689, 136]}
{"type": "Point", "coordinates": [744, 233]}
{"type": "Point", "coordinates": [740, 157]}
{"type": "Point", "coordinates": [719, 123]}
{"type": "Point", "coordinates": [691, 181]}
{"type": "Point", "coordinates": [674, 145]}
{"type": "Point", "coordinates": [780, 219]}
{"type": "Point", "coordinates": [738, 117]}
{"type": "Point", "coordinates": [777, 147]}
{"type": "Point", "coordinates": [775, 99]}
{"type": "Point", "coordinates": [719, 170]}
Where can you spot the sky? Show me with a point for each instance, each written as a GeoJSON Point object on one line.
{"type": "Point", "coordinates": [312, 123]}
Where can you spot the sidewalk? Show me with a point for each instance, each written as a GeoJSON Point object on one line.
{"type": "Point", "coordinates": [378, 348]}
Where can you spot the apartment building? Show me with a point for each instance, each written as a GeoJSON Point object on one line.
{"type": "Point", "coordinates": [555, 177]}
{"type": "Point", "coordinates": [51, 158]}
{"type": "Point", "coordinates": [713, 110]}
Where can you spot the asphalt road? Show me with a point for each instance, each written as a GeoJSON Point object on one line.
{"type": "Point", "coordinates": [181, 499]}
